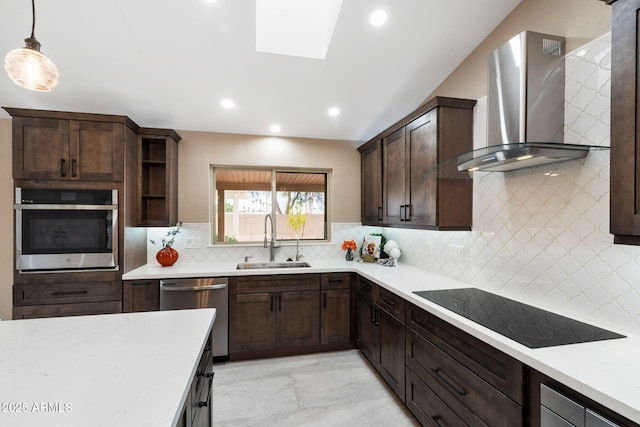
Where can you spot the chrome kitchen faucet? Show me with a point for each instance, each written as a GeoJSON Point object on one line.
{"type": "Point", "coordinates": [272, 244]}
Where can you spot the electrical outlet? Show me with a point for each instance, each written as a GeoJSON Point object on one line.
{"type": "Point", "coordinates": [456, 252]}
{"type": "Point", "coordinates": [193, 242]}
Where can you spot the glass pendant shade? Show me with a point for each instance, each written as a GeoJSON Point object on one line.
{"type": "Point", "coordinates": [30, 69]}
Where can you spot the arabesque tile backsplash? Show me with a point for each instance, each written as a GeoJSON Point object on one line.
{"type": "Point", "coordinates": [539, 234]}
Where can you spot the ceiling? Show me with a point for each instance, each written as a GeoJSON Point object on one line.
{"type": "Point", "coordinates": [170, 64]}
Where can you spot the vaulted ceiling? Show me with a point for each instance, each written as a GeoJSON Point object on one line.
{"type": "Point", "coordinates": [170, 63]}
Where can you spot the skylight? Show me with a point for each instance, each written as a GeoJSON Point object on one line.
{"type": "Point", "coordinates": [296, 27]}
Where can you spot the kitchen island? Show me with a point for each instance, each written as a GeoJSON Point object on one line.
{"type": "Point", "coordinates": [131, 369]}
{"type": "Point", "coordinates": [606, 371]}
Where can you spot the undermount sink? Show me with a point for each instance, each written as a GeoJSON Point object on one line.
{"type": "Point", "coordinates": [260, 265]}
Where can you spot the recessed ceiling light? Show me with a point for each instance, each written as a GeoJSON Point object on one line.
{"type": "Point", "coordinates": [275, 128]}
{"type": "Point", "coordinates": [227, 103]}
{"type": "Point", "coordinates": [334, 111]}
{"type": "Point", "coordinates": [378, 18]}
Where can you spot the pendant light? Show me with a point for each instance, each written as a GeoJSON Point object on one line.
{"type": "Point", "coordinates": [29, 68]}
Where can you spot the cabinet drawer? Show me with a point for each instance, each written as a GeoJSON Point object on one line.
{"type": "Point", "coordinates": [335, 281]}
{"type": "Point", "coordinates": [426, 406]}
{"type": "Point", "coordinates": [391, 303]}
{"type": "Point", "coordinates": [495, 367]}
{"type": "Point", "coordinates": [59, 310]}
{"type": "Point", "coordinates": [65, 293]}
{"type": "Point", "coordinates": [464, 391]}
{"type": "Point", "coordinates": [368, 289]}
{"type": "Point", "coordinates": [275, 283]}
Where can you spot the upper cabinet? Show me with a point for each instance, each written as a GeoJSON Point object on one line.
{"type": "Point", "coordinates": [50, 145]}
{"type": "Point", "coordinates": [371, 182]}
{"type": "Point", "coordinates": [411, 193]}
{"type": "Point", "coordinates": [158, 177]}
{"type": "Point", "coordinates": [625, 122]}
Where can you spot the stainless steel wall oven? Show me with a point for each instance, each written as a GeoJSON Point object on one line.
{"type": "Point", "coordinates": [63, 230]}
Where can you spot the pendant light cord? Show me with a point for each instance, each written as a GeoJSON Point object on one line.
{"type": "Point", "coordinates": [33, 13]}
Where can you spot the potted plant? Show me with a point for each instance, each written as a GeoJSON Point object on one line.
{"type": "Point", "coordinates": [167, 256]}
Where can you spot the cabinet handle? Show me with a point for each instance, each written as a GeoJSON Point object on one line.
{"type": "Point", "coordinates": [271, 302]}
{"type": "Point", "coordinates": [436, 419]}
{"type": "Point", "coordinates": [366, 286]}
{"type": "Point", "coordinates": [73, 167]}
{"type": "Point", "coordinates": [280, 302]}
{"type": "Point", "coordinates": [68, 293]}
{"type": "Point", "coordinates": [63, 172]}
{"type": "Point", "coordinates": [407, 212]}
{"type": "Point", "coordinates": [450, 384]}
{"type": "Point", "coordinates": [379, 213]}
{"type": "Point", "coordinates": [373, 314]}
{"type": "Point", "coordinates": [325, 300]}
{"type": "Point", "coordinates": [206, 402]}
{"type": "Point", "coordinates": [388, 301]}
{"type": "Point", "coordinates": [402, 212]}
{"type": "Point", "coordinates": [377, 316]}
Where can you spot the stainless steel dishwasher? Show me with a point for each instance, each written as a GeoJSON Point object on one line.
{"type": "Point", "coordinates": [201, 293]}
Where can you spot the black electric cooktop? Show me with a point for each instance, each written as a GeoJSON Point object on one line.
{"type": "Point", "coordinates": [528, 325]}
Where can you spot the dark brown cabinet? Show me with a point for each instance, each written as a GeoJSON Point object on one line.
{"type": "Point", "coordinates": [371, 182]}
{"type": "Point", "coordinates": [420, 187]}
{"type": "Point", "coordinates": [381, 333]}
{"type": "Point", "coordinates": [453, 377]}
{"type": "Point", "coordinates": [67, 146]}
{"type": "Point", "coordinates": [268, 313]}
{"type": "Point", "coordinates": [140, 295]}
{"type": "Point", "coordinates": [35, 300]}
{"type": "Point", "coordinates": [335, 311]}
{"type": "Point", "coordinates": [197, 409]}
{"type": "Point", "coordinates": [158, 177]}
{"type": "Point", "coordinates": [625, 123]}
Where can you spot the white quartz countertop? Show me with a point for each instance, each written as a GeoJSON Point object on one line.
{"type": "Point", "coordinates": [605, 371]}
{"type": "Point", "coordinates": [130, 369]}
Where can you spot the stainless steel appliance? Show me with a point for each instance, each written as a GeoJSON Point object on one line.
{"type": "Point", "coordinates": [62, 230]}
{"type": "Point", "coordinates": [525, 107]}
{"type": "Point", "coordinates": [201, 293]}
{"type": "Point", "coordinates": [557, 410]}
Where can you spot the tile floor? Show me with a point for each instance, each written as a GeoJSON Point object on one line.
{"type": "Point", "coordinates": [326, 389]}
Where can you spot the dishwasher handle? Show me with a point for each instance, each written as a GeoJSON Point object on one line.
{"type": "Point", "coordinates": [173, 287]}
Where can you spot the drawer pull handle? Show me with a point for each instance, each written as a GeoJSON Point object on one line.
{"type": "Point", "coordinates": [436, 419]}
{"type": "Point", "coordinates": [444, 379]}
{"type": "Point", "coordinates": [68, 293]}
{"type": "Point", "coordinates": [206, 402]}
{"type": "Point", "coordinates": [388, 301]}
{"type": "Point", "coordinates": [365, 286]}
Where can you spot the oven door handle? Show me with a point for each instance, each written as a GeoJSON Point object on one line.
{"type": "Point", "coordinates": [67, 207]}
{"type": "Point", "coordinates": [173, 287]}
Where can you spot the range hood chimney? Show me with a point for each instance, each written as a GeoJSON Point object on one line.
{"type": "Point", "coordinates": [525, 107]}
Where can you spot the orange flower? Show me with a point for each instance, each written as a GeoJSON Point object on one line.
{"type": "Point", "coordinates": [349, 244]}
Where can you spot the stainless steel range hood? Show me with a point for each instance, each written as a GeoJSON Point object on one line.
{"type": "Point", "coordinates": [525, 107]}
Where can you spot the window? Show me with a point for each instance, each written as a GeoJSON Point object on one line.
{"type": "Point", "coordinates": [295, 199]}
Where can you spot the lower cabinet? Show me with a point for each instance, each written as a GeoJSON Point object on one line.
{"type": "Point", "coordinates": [335, 310]}
{"type": "Point", "coordinates": [36, 300]}
{"type": "Point", "coordinates": [381, 333]}
{"type": "Point", "coordinates": [477, 384]}
{"type": "Point", "coordinates": [197, 409]}
{"type": "Point", "coordinates": [269, 313]}
{"type": "Point", "coordinates": [140, 295]}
